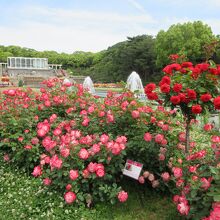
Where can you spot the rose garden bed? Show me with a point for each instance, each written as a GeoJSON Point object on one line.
{"type": "Point", "coordinates": [77, 144]}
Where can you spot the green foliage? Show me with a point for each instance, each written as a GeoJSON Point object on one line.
{"type": "Point", "coordinates": [135, 54]}
{"type": "Point", "coordinates": [188, 38]}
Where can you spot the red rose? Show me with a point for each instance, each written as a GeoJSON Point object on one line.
{"type": "Point", "coordinates": [167, 69]}
{"type": "Point", "coordinates": [186, 64]}
{"type": "Point", "coordinates": [196, 109]}
{"type": "Point", "coordinates": [175, 66]}
{"type": "Point", "coordinates": [165, 80]}
{"type": "Point", "coordinates": [177, 87]}
{"type": "Point", "coordinates": [165, 88]}
{"type": "Point", "coordinates": [213, 71]}
{"type": "Point", "coordinates": [217, 102]}
{"type": "Point", "coordinates": [205, 97]}
{"type": "Point", "coordinates": [203, 66]}
{"type": "Point", "coordinates": [152, 96]}
{"type": "Point", "coordinates": [191, 94]}
{"type": "Point", "coordinates": [183, 97]}
{"type": "Point", "coordinates": [149, 87]}
{"type": "Point", "coordinates": [175, 99]}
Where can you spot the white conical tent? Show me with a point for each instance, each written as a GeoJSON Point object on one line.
{"type": "Point", "coordinates": [134, 84]}
{"type": "Point", "coordinates": [88, 84]}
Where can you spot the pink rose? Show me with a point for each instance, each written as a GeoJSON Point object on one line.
{"type": "Point", "coordinates": [55, 162]}
{"type": "Point", "coordinates": [85, 173]}
{"type": "Point", "coordinates": [206, 183]}
{"type": "Point", "coordinates": [69, 197]}
{"type": "Point", "coordinates": [122, 196]}
{"type": "Point", "coordinates": [158, 138]}
{"type": "Point", "coordinates": [83, 154]}
{"type": "Point", "coordinates": [104, 138]}
{"type": "Point", "coordinates": [100, 172]}
{"type": "Point", "coordinates": [37, 171]}
{"type": "Point", "coordinates": [183, 208]}
{"type": "Point", "coordinates": [96, 148]}
{"type": "Point", "coordinates": [176, 198]}
{"type": "Point", "coordinates": [141, 180]}
{"type": "Point", "coordinates": [177, 172]}
{"type": "Point", "coordinates": [68, 187]}
{"type": "Point", "coordinates": [65, 152]}
{"type": "Point", "coordinates": [92, 167]}
{"type": "Point", "coordinates": [47, 181]}
{"type": "Point", "coordinates": [192, 169]}
{"type": "Point", "coordinates": [135, 114]}
{"type": "Point", "coordinates": [147, 137]}
{"type": "Point", "coordinates": [35, 141]}
{"type": "Point", "coordinates": [165, 176]}
{"type": "Point", "coordinates": [161, 157]}
{"type": "Point", "coordinates": [74, 174]}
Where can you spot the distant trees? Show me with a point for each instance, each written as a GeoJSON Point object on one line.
{"type": "Point", "coordinates": [135, 54]}
{"type": "Point", "coordinates": [143, 54]}
{"type": "Point", "coordinates": [188, 38]}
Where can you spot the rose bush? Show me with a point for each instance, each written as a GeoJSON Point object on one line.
{"type": "Point", "coordinates": [194, 165]}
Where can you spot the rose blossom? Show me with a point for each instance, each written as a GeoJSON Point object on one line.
{"type": "Point", "coordinates": [205, 97]}
{"type": "Point", "coordinates": [83, 154]}
{"type": "Point", "coordinates": [147, 137]}
{"type": "Point", "coordinates": [122, 196]}
{"type": "Point", "coordinates": [68, 187]}
{"type": "Point", "coordinates": [146, 174]}
{"type": "Point", "coordinates": [69, 197]}
{"type": "Point", "coordinates": [196, 109]}
{"type": "Point", "coordinates": [47, 181]}
{"type": "Point", "coordinates": [141, 180]}
{"type": "Point", "coordinates": [37, 171]}
{"type": "Point", "coordinates": [162, 157]}
{"type": "Point", "coordinates": [183, 208]}
{"type": "Point", "coordinates": [151, 177]}
{"type": "Point", "coordinates": [177, 172]}
{"type": "Point", "coordinates": [55, 162]}
{"type": "Point", "coordinates": [158, 138]}
{"type": "Point", "coordinates": [135, 114]}
{"type": "Point", "coordinates": [65, 152]}
{"type": "Point", "coordinates": [100, 172]}
{"type": "Point", "coordinates": [73, 174]}
{"type": "Point", "coordinates": [155, 183]}
{"type": "Point", "coordinates": [85, 173]}
{"type": "Point", "coordinates": [165, 176]}
{"type": "Point", "coordinates": [104, 138]}
{"type": "Point", "coordinates": [192, 169]}
{"type": "Point", "coordinates": [206, 183]}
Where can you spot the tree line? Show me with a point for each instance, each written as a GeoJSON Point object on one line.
{"type": "Point", "coordinates": [144, 54]}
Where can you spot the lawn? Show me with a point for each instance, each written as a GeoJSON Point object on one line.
{"type": "Point", "coordinates": [23, 197]}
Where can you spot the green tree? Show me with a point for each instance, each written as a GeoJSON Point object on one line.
{"type": "Point", "coordinates": [188, 37]}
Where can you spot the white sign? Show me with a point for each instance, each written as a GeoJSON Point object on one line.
{"type": "Point", "coordinates": [132, 169]}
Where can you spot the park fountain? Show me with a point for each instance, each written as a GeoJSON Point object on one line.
{"type": "Point", "coordinates": [88, 85]}
{"type": "Point", "coordinates": [135, 85]}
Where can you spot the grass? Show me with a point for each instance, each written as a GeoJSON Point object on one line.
{"type": "Point", "coordinates": [24, 197]}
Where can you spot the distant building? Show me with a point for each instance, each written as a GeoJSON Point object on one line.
{"type": "Point", "coordinates": [28, 66]}
{"type": "Point", "coordinates": [25, 68]}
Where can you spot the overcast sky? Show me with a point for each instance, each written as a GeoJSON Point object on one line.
{"type": "Point", "coordinates": [94, 25]}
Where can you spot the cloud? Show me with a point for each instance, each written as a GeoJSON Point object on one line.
{"type": "Point", "coordinates": [69, 30]}
{"type": "Point", "coordinates": [137, 5]}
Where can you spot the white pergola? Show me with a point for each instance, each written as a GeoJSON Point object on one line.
{"type": "Point", "coordinates": [27, 63]}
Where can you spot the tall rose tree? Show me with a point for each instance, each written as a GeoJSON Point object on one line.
{"type": "Point", "coordinates": [193, 89]}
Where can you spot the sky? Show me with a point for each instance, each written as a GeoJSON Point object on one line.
{"type": "Point", "coordinates": [94, 25]}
